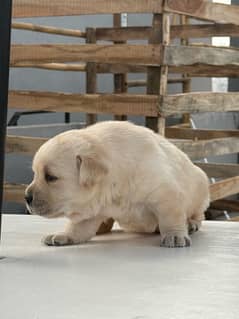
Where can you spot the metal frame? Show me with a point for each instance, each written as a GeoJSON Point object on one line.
{"type": "Point", "coordinates": [5, 31]}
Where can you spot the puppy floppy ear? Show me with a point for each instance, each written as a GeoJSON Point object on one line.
{"type": "Point", "coordinates": [91, 169]}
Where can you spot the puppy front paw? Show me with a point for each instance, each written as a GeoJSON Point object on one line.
{"type": "Point", "coordinates": [175, 240]}
{"type": "Point", "coordinates": [60, 239]}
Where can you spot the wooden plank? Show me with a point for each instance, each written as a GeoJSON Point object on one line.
{"type": "Point", "coordinates": [176, 31]}
{"type": "Point", "coordinates": [14, 193]}
{"type": "Point", "coordinates": [206, 70]}
{"type": "Point", "coordinates": [123, 33]}
{"type": "Point", "coordinates": [174, 132]}
{"type": "Point", "coordinates": [91, 76]}
{"type": "Point", "coordinates": [35, 8]}
{"type": "Point", "coordinates": [54, 66]}
{"type": "Point", "coordinates": [199, 102]}
{"type": "Point", "coordinates": [226, 204]}
{"type": "Point", "coordinates": [131, 104]}
{"type": "Point", "coordinates": [204, 10]}
{"type": "Point", "coordinates": [193, 71]}
{"type": "Point", "coordinates": [127, 54]}
{"type": "Point", "coordinates": [219, 170]}
{"type": "Point", "coordinates": [23, 144]}
{"type": "Point", "coordinates": [203, 30]}
{"type": "Point", "coordinates": [48, 29]}
{"type": "Point", "coordinates": [202, 149]}
{"type": "Point", "coordinates": [224, 188]}
{"type": "Point", "coordinates": [186, 86]}
{"type": "Point", "coordinates": [191, 55]}
{"type": "Point", "coordinates": [163, 86]}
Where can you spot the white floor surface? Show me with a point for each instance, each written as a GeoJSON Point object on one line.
{"type": "Point", "coordinates": [117, 276]}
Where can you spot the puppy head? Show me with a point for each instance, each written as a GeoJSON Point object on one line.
{"type": "Point", "coordinates": [67, 169]}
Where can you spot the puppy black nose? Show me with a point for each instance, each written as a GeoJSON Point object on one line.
{"type": "Point", "coordinates": [29, 198]}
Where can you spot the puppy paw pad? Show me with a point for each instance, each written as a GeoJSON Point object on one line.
{"type": "Point", "coordinates": [172, 241]}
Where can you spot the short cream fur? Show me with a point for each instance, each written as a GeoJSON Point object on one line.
{"type": "Point", "coordinates": [119, 170]}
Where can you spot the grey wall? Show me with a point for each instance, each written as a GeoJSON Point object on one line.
{"type": "Point", "coordinates": [18, 168]}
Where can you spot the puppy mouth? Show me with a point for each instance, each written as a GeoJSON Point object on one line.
{"type": "Point", "coordinates": [43, 212]}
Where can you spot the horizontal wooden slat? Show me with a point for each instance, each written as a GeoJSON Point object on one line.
{"type": "Point", "coordinates": [36, 8]}
{"type": "Point", "coordinates": [43, 53]}
{"type": "Point", "coordinates": [118, 104]}
{"type": "Point", "coordinates": [48, 29]}
{"type": "Point", "coordinates": [14, 192]}
{"type": "Point", "coordinates": [53, 66]}
{"type": "Point", "coordinates": [224, 188]}
{"type": "Point", "coordinates": [192, 71]}
{"type": "Point", "coordinates": [199, 102]}
{"type": "Point", "coordinates": [190, 55]}
{"type": "Point", "coordinates": [174, 132]}
{"type": "Point", "coordinates": [206, 70]}
{"type": "Point", "coordinates": [226, 204]}
{"type": "Point", "coordinates": [204, 30]}
{"type": "Point", "coordinates": [219, 170]}
{"type": "Point", "coordinates": [204, 10]}
{"type": "Point", "coordinates": [176, 31]}
{"type": "Point", "coordinates": [140, 83]}
{"type": "Point", "coordinates": [23, 144]}
{"type": "Point", "coordinates": [125, 54]}
{"type": "Point", "coordinates": [201, 149]}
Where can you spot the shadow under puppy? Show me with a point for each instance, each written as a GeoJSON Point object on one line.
{"type": "Point", "coordinates": [121, 171]}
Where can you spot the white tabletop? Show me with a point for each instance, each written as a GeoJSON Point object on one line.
{"type": "Point", "coordinates": [120, 276]}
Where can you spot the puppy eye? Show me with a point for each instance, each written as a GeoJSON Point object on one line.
{"type": "Point", "coordinates": [50, 178]}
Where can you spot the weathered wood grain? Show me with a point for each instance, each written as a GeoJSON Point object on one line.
{"type": "Point", "coordinates": [204, 10]}
{"type": "Point", "coordinates": [131, 104]}
{"type": "Point", "coordinates": [154, 73]}
{"type": "Point", "coordinates": [35, 8]}
{"type": "Point", "coordinates": [53, 66]}
{"type": "Point", "coordinates": [202, 70]}
{"type": "Point", "coordinates": [219, 170]}
{"type": "Point", "coordinates": [120, 79]}
{"type": "Point", "coordinates": [48, 29]}
{"type": "Point", "coordinates": [199, 102]}
{"type": "Point", "coordinates": [204, 30]}
{"type": "Point", "coordinates": [201, 149]}
{"type": "Point", "coordinates": [163, 87]}
{"type": "Point", "coordinates": [191, 55]}
{"type": "Point", "coordinates": [91, 75]}
{"type": "Point", "coordinates": [23, 144]}
{"type": "Point", "coordinates": [14, 192]}
{"type": "Point", "coordinates": [176, 31]}
{"type": "Point", "coordinates": [224, 188]}
{"type": "Point", "coordinates": [49, 53]}
{"type": "Point", "coordinates": [203, 134]}
{"type": "Point", "coordinates": [226, 204]}
{"type": "Point", "coordinates": [193, 71]}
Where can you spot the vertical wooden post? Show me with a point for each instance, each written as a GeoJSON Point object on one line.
{"type": "Point", "coordinates": [120, 80]}
{"type": "Point", "coordinates": [164, 68]}
{"type": "Point", "coordinates": [157, 77]}
{"type": "Point", "coordinates": [186, 84]}
{"type": "Point", "coordinates": [91, 75]}
{"type": "Point", "coordinates": [153, 73]}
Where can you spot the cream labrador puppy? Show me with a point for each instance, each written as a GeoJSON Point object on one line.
{"type": "Point", "coordinates": [122, 171]}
